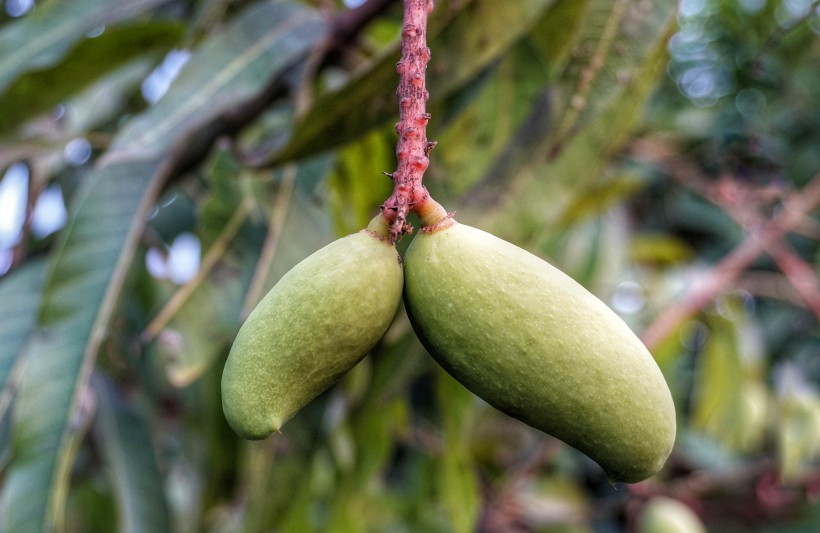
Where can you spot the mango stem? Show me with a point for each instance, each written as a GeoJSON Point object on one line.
{"type": "Point", "coordinates": [413, 148]}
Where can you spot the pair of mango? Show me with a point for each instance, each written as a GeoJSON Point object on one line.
{"type": "Point", "coordinates": [512, 328]}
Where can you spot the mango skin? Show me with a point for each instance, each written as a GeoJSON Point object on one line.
{"type": "Point", "coordinates": [535, 344]}
{"type": "Point", "coordinates": [314, 325]}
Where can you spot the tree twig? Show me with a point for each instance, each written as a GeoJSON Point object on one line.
{"type": "Point", "coordinates": [795, 209]}
{"type": "Point", "coordinates": [212, 256]}
{"type": "Point", "coordinates": [799, 274]}
{"type": "Point", "coordinates": [277, 222]}
{"type": "Point", "coordinates": [412, 149]}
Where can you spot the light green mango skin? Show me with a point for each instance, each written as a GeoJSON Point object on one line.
{"type": "Point", "coordinates": [667, 515]}
{"type": "Point", "coordinates": [535, 344]}
{"type": "Point", "coordinates": [314, 325]}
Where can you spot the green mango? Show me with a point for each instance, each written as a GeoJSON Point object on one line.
{"type": "Point", "coordinates": [535, 344]}
{"type": "Point", "coordinates": [314, 325]}
{"type": "Point", "coordinates": [667, 515]}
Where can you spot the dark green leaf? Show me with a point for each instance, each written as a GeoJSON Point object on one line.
{"type": "Point", "coordinates": [37, 91]}
{"type": "Point", "coordinates": [227, 70]}
{"type": "Point", "coordinates": [84, 279]}
{"type": "Point", "coordinates": [457, 478]}
{"type": "Point", "coordinates": [40, 39]}
{"type": "Point", "coordinates": [20, 296]}
{"type": "Point", "coordinates": [463, 46]}
{"type": "Point", "coordinates": [125, 440]}
{"type": "Point", "coordinates": [578, 160]}
{"type": "Point", "coordinates": [357, 185]}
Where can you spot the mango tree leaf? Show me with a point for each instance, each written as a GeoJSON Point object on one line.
{"type": "Point", "coordinates": [609, 52]}
{"type": "Point", "coordinates": [798, 436]}
{"type": "Point", "coordinates": [124, 438]}
{"type": "Point", "coordinates": [41, 38]}
{"type": "Point", "coordinates": [457, 479]}
{"type": "Point", "coordinates": [37, 91]}
{"type": "Point", "coordinates": [463, 46]}
{"type": "Point", "coordinates": [527, 72]}
{"type": "Point", "coordinates": [357, 185]}
{"type": "Point", "coordinates": [87, 271]}
{"type": "Point", "coordinates": [20, 297]}
{"type": "Point", "coordinates": [232, 68]}
{"type": "Point", "coordinates": [553, 35]}
{"type": "Point", "coordinates": [199, 332]}
{"type": "Point", "coordinates": [84, 278]}
{"type": "Point", "coordinates": [557, 173]}
{"type": "Point", "coordinates": [718, 383]}
{"type": "Point", "coordinates": [375, 422]}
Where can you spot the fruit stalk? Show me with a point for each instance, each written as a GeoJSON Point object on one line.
{"type": "Point", "coordinates": [412, 148]}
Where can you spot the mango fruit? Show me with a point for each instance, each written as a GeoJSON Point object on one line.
{"type": "Point", "coordinates": [314, 325]}
{"type": "Point", "coordinates": [535, 344]}
{"type": "Point", "coordinates": [667, 515]}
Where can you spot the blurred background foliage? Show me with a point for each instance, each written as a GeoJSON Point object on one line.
{"type": "Point", "coordinates": [164, 162]}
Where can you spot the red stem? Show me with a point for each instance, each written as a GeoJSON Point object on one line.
{"type": "Point", "coordinates": [412, 149]}
{"type": "Point", "coordinates": [793, 213]}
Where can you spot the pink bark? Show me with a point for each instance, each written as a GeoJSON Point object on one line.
{"type": "Point", "coordinates": [413, 148]}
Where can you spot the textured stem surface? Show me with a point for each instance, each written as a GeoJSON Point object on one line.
{"type": "Point", "coordinates": [413, 148]}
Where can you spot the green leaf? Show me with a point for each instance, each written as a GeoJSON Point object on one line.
{"type": "Point", "coordinates": [599, 197]}
{"type": "Point", "coordinates": [557, 173]}
{"type": "Point", "coordinates": [357, 185]}
{"type": "Point", "coordinates": [232, 68]}
{"type": "Point", "coordinates": [718, 383]}
{"type": "Point", "coordinates": [200, 332]}
{"type": "Point", "coordinates": [610, 50]}
{"type": "Point", "coordinates": [85, 276]}
{"type": "Point", "coordinates": [41, 38]}
{"type": "Point", "coordinates": [20, 296]}
{"type": "Point", "coordinates": [124, 438]}
{"type": "Point", "coordinates": [663, 249]}
{"type": "Point", "coordinates": [527, 73]}
{"type": "Point", "coordinates": [494, 116]}
{"type": "Point", "coordinates": [39, 90]}
{"type": "Point", "coordinates": [798, 421]}
{"type": "Point", "coordinates": [553, 35]}
{"type": "Point", "coordinates": [312, 224]}
{"type": "Point", "coordinates": [457, 479]}
{"type": "Point", "coordinates": [465, 36]}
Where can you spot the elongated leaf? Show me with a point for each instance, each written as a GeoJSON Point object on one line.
{"type": "Point", "coordinates": [539, 59]}
{"type": "Point", "coordinates": [609, 51]}
{"type": "Point", "coordinates": [41, 38]}
{"type": "Point", "coordinates": [457, 480]}
{"type": "Point", "coordinates": [200, 331]}
{"type": "Point", "coordinates": [357, 184]}
{"type": "Point", "coordinates": [230, 69]}
{"type": "Point", "coordinates": [83, 281]}
{"type": "Point", "coordinates": [37, 91]}
{"type": "Point", "coordinates": [125, 439]}
{"type": "Point", "coordinates": [19, 300]}
{"type": "Point", "coordinates": [575, 166]}
{"type": "Point", "coordinates": [462, 47]}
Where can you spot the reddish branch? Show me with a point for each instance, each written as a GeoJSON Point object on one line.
{"type": "Point", "coordinates": [765, 238]}
{"type": "Point", "coordinates": [413, 148]}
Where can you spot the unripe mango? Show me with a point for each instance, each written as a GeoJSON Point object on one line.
{"type": "Point", "coordinates": [535, 344]}
{"type": "Point", "coordinates": [667, 515]}
{"type": "Point", "coordinates": [314, 325]}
